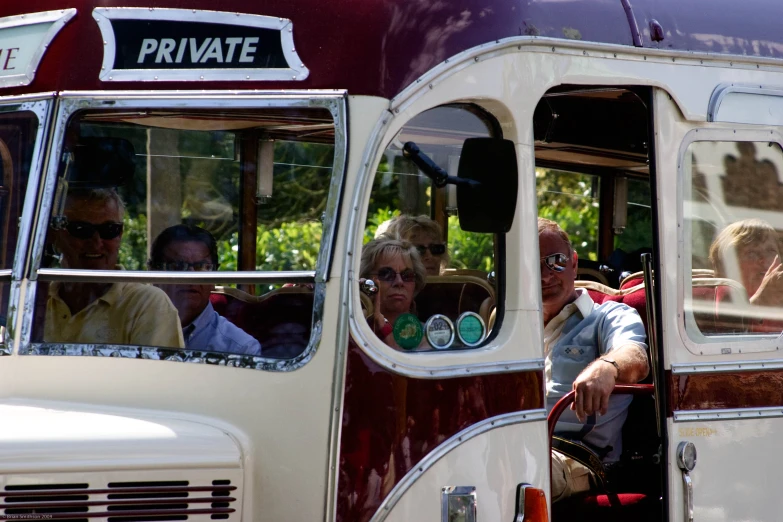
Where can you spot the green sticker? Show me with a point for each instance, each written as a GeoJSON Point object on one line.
{"type": "Point", "coordinates": [470, 328]}
{"type": "Point", "coordinates": [408, 332]}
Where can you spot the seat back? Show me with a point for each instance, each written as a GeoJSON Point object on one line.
{"type": "Point", "coordinates": [281, 320]}
{"type": "Point", "coordinates": [453, 295]}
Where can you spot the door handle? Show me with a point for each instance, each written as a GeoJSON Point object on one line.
{"type": "Point", "coordinates": [686, 461]}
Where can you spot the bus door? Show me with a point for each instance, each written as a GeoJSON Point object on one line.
{"type": "Point", "coordinates": [720, 190]}
{"type": "Point", "coordinates": [443, 409]}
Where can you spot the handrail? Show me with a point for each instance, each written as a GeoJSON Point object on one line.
{"type": "Point", "coordinates": [566, 400]}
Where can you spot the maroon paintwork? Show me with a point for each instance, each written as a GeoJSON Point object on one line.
{"type": "Point", "coordinates": [378, 47]}
{"type": "Point", "coordinates": [757, 389]}
{"type": "Point", "coordinates": [391, 422]}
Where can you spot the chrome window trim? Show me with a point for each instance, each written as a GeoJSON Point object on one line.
{"type": "Point", "coordinates": [70, 102]}
{"type": "Point", "coordinates": [727, 414]}
{"type": "Point", "coordinates": [57, 18]}
{"type": "Point", "coordinates": [163, 277]}
{"type": "Point", "coordinates": [103, 16]}
{"type": "Point", "coordinates": [727, 367]}
{"type": "Point", "coordinates": [182, 355]}
{"type": "Point", "coordinates": [722, 345]}
{"type": "Point", "coordinates": [410, 478]}
{"type": "Point", "coordinates": [41, 105]}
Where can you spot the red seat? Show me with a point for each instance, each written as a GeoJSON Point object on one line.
{"type": "Point", "coordinates": [280, 320]}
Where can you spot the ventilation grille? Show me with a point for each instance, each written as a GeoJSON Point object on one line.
{"type": "Point", "coordinates": [119, 501]}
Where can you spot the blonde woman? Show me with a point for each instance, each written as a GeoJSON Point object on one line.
{"type": "Point", "coordinates": [426, 235]}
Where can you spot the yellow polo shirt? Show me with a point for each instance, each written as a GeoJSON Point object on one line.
{"type": "Point", "coordinates": [128, 313]}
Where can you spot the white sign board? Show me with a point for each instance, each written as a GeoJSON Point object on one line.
{"type": "Point", "coordinates": [23, 42]}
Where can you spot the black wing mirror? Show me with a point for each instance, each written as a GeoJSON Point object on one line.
{"type": "Point", "coordinates": [486, 182]}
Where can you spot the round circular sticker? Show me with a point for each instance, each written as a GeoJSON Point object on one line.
{"type": "Point", "coordinates": [440, 331]}
{"type": "Point", "coordinates": [470, 328]}
{"type": "Point", "coordinates": [408, 332]}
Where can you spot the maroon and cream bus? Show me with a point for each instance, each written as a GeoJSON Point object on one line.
{"type": "Point", "coordinates": [292, 131]}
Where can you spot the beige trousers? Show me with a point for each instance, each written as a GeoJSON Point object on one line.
{"type": "Point", "coordinates": [569, 477]}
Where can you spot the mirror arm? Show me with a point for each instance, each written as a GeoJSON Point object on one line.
{"type": "Point", "coordinates": [438, 176]}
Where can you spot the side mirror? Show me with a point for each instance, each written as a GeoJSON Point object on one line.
{"type": "Point", "coordinates": [489, 205]}
{"type": "Point", "coordinates": [101, 163]}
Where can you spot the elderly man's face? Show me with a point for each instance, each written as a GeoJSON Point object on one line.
{"type": "Point", "coordinates": [557, 287]}
{"type": "Point", "coordinates": [95, 251]}
{"type": "Point", "coordinates": [190, 300]}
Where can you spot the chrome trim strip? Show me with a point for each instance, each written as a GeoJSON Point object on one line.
{"type": "Point", "coordinates": [5, 275]}
{"type": "Point", "coordinates": [338, 107]}
{"type": "Point", "coordinates": [189, 356]}
{"type": "Point", "coordinates": [57, 18]}
{"type": "Point", "coordinates": [728, 414]}
{"type": "Point", "coordinates": [509, 419]}
{"type": "Point", "coordinates": [163, 277]}
{"type": "Point", "coordinates": [303, 96]}
{"type": "Point", "coordinates": [727, 366]}
{"type": "Point", "coordinates": [481, 52]}
{"type": "Point", "coordinates": [103, 16]}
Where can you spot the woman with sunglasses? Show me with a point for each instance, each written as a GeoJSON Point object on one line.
{"type": "Point", "coordinates": [398, 273]}
{"type": "Point", "coordinates": [427, 236]}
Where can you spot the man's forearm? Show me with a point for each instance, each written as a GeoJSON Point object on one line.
{"type": "Point", "coordinates": [631, 361]}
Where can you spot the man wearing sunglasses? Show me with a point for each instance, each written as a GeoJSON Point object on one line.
{"type": "Point", "coordinates": [186, 247]}
{"type": "Point", "coordinates": [588, 348]}
{"type": "Point", "coordinates": [103, 313]}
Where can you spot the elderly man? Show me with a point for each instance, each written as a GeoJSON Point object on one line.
{"type": "Point", "coordinates": [589, 348]}
{"type": "Point", "coordinates": [184, 247]}
{"type": "Point", "coordinates": [103, 313]}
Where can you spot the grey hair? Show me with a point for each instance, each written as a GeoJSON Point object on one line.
{"type": "Point", "coordinates": [102, 195]}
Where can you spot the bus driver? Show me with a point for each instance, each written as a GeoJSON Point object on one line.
{"type": "Point", "coordinates": [103, 313]}
{"type": "Point", "coordinates": [588, 348]}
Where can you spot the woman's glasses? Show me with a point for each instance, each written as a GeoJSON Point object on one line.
{"type": "Point", "coordinates": [184, 266]}
{"type": "Point", "coordinates": [389, 275]}
{"type": "Point", "coordinates": [437, 249]}
{"type": "Point", "coordinates": [85, 230]}
{"type": "Point", "coordinates": [556, 262]}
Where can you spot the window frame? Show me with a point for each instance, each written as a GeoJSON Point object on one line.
{"type": "Point", "coordinates": [73, 102]}
{"type": "Point", "coordinates": [694, 341]}
{"type": "Point", "coordinates": [41, 105]}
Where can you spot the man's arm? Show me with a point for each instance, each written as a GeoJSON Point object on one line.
{"type": "Point", "coordinates": [595, 384]}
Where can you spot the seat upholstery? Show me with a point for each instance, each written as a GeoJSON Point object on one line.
{"type": "Point", "coordinates": [280, 320]}
{"type": "Point", "coordinates": [452, 295]}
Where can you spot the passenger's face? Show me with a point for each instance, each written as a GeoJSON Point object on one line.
{"type": "Point", "coordinates": [92, 253]}
{"type": "Point", "coordinates": [190, 300]}
{"type": "Point", "coordinates": [396, 295]}
{"type": "Point", "coordinates": [754, 260]}
{"type": "Point", "coordinates": [557, 288]}
{"type": "Point", "coordinates": [431, 262]}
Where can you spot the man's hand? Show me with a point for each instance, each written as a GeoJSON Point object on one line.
{"type": "Point", "coordinates": [593, 387]}
{"type": "Point", "coordinates": [770, 291]}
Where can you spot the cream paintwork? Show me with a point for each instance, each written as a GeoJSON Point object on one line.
{"type": "Point", "coordinates": [494, 463]}
{"type": "Point", "coordinates": [57, 437]}
{"type": "Point", "coordinates": [736, 473]}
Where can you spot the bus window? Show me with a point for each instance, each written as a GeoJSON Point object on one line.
{"type": "Point", "coordinates": [193, 194]}
{"type": "Point", "coordinates": [733, 229]}
{"type": "Point", "coordinates": [450, 297]}
{"type": "Point", "coordinates": [18, 136]}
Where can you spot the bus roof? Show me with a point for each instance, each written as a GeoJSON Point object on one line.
{"type": "Point", "coordinates": [378, 47]}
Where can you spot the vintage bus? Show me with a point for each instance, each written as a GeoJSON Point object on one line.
{"type": "Point", "coordinates": [291, 131]}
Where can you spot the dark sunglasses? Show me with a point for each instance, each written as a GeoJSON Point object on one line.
{"type": "Point", "coordinates": [556, 262]}
{"type": "Point", "coordinates": [184, 266]}
{"type": "Point", "coordinates": [85, 230]}
{"type": "Point", "coordinates": [389, 275]}
{"type": "Point", "coordinates": [437, 249]}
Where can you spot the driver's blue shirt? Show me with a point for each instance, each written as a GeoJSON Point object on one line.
{"type": "Point", "coordinates": [211, 332]}
{"type": "Point", "coordinates": [579, 334]}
